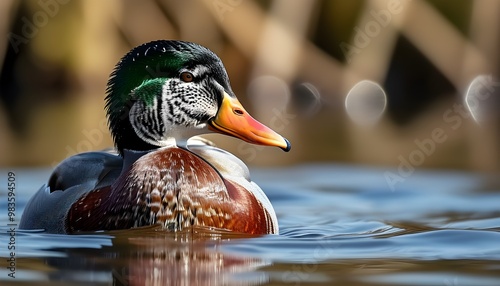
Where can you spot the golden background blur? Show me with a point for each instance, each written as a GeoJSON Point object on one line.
{"type": "Point", "coordinates": [291, 63]}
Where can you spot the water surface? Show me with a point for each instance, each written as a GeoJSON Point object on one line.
{"type": "Point", "coordinates": [339, 225]}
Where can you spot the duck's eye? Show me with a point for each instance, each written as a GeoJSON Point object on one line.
{"type": "Point", "coordinates": [187, 77]}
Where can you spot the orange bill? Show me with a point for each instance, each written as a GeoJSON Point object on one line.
{"type": "Point", "coordinates": [232, 119]}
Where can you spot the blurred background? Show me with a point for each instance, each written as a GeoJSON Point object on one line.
{"type": "Point", "coordinates": [385, 82]}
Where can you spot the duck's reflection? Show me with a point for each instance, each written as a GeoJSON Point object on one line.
{"type": "Point", "coordinates": [187, 258]}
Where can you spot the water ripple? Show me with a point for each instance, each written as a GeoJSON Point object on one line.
{"type": "Point", "coordinates": [340, 225]}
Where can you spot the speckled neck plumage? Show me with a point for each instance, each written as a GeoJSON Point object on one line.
{"type": "Point", "coordinates": [145, 96]}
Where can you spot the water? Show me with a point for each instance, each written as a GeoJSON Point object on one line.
{"type": "Point", "coordinates": [339, 225]}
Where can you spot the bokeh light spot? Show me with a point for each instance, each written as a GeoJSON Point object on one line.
{"type": "Point", "coordinates": [269, 91]}
{"type": "Point", "coordinates": [366, 102]}
{"type": "Point", "coordinates": [481, 98]}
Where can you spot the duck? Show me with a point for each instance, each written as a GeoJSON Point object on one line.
{"type": "Point", "coordinates": [160, 97]}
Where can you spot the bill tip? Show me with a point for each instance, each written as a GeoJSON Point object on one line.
{"type": "Point", "coordinates": [288, 145]}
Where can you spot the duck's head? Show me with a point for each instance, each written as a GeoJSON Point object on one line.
{"type": "Point", "coordinates": [166, 90]}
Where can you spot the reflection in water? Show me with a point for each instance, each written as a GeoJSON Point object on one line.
{"type": "Point", "coordinates": [143, 256]}
{"type": "Point", "coordinates": [184, 258]}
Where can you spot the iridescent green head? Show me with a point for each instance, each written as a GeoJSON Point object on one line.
{"type": "Point", "coordinates": [173, 89]}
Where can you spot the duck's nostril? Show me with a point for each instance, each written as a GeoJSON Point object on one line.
{"type": "Point", "coordinates": [238, 112]}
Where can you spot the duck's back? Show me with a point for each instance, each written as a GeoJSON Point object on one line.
{"type": "Point", "coordinates": [71, 179]}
